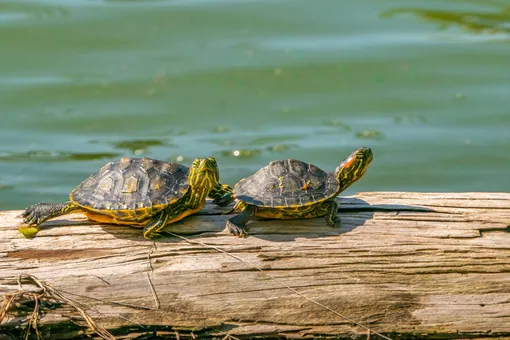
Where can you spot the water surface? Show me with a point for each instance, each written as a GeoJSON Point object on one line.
{"type": "Point", "coordinates": [425, 84]}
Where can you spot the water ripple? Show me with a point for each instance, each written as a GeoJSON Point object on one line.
{"type": "Point", "coordinates": [55, 156]}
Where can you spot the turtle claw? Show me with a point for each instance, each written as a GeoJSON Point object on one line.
{"type": "Point", "coordinates": [26, 212]}
{"type": "Point", "coordinates": [152, 236]}
{"type": "Point", "coordinates": [236, 230]}
{"type": "Point", "coordinates": [335, 222]}
{"type": "Point", "coordinates": [36, 214]}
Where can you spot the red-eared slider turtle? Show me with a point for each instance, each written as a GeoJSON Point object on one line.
{"type": "Point", "coordinates": [292, 189]}
{"type": "Point", "coordinates": [141, 192]}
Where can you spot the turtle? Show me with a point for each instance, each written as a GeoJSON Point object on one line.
{"type": "Point", "coordinates": [140, 192]}
{"type": "Point", "coordinates": [293, 189]}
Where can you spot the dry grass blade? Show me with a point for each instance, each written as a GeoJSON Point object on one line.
{"type": "Point", "coordinates": [48, 293]}
{"type": "Point", "coordinates": [109, 302]}
{"type": "Point", "coordinates": [153, 290]}
{"type": "Point", "coordinates": [34, 318]}
{"type": "Point", "coordinates": [6, 305]}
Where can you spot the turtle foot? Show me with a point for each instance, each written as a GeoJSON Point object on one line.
{"type": "Point", "coordinates": [37, 213]}
{"type": "Point", "coordinates": [236, 230]}
{"type": "Point", "coordinates": [335, 222]}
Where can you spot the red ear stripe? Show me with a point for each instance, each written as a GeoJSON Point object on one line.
{"type": "Point", "coordinates": [349, 162]}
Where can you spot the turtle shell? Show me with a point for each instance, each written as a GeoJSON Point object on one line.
{"type": "Point", "coordinates": [131, 184]}
{"type": "Point", "coordinates": [287, 183]}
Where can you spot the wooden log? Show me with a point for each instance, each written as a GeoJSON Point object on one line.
{"type": "Point", "coordinates": [403, 264]}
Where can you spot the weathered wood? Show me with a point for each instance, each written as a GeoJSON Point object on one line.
{"type": "Point", "coordinates": [402, 264]}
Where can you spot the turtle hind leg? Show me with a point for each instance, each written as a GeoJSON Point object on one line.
{"type": "Point", "coordinates": [331, 216]}
{"type": "Point", "coordinates": [236, 225]}
{"type": "Point", "coordinates": [36, 214]}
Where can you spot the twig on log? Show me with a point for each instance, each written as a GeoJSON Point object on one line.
{"type": "Point", "coordinates": [149, 267]}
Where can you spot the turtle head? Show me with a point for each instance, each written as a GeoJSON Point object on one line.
{"type": "Point", "coordinates": [203, 177]}
{"type": "Point", "coordinates": [353, 167]}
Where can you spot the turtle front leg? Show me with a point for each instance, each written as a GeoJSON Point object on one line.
{"type": "Point", "coordinates": [36, 214]}
{"type": "Point", "coordinates": [222, 195]}
{"type": "Point", "coordinates": [160, 220]}
{"type": "Point", "coordinates": [156, 223]}
{"type": "Point", "coordinates": [331, 215]}
{"type": "Point", "coordinates": [236, 225]}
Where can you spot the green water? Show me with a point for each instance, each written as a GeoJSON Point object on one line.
{"type": "Point", "coordinates": [425, 84]}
